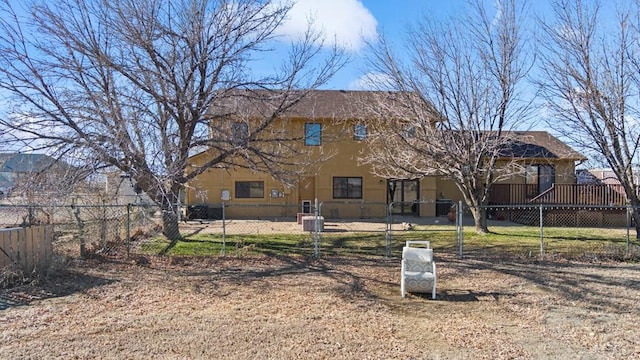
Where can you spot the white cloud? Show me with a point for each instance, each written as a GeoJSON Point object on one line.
{"type": "Point", "coordinates": [498, 15]}
{"type": "Point", "coordinates": [346, 23]}
{"type": "Point", "coordinates": [372, 81]}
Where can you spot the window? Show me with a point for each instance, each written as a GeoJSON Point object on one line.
{"type": "Point", "coordinates": [312, 134]}
{"type": "Point", "coordinates": [409, 131]}
{"type": "Point", "coordinates": [240, 133]}
{"type": "Point", "coordinates": [359, 131]}
{"type": "Point", "coordinates": [531, 174]}
{"type": "Point", "coordinates": [347, 188]}
{"type": "Point", "coordinates": [249, 189]}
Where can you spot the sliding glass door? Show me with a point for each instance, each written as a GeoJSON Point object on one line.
{"type": "Point", "coordinates": [403, 194]}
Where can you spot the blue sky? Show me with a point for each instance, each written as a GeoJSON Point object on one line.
{"type": "Point", "coordinates": [352, 21]}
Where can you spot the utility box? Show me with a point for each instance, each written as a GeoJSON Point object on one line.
{"type": "Point", "coordinates": [309, 222]}
{"type": "Point", "coordinates": [196, 212]}
{"type": "Point", "coordinates": [204, 212]}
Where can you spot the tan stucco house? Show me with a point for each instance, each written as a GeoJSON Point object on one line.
{"type": "Point", "coordinates": [332, 126]}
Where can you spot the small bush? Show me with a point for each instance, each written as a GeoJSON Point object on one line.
{"type": "Point", "coordinates": [11, 275]}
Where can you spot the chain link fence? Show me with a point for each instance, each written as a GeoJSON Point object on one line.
{"type": "Point", "coordinates": [313, 228]}
{"type": "Point", "coordinates": [87, 230]}
{"type": "Point", "coordinates": [569, 231]}
{"type": "Point", "coordinates": [550, 230]}
{"type": "Point", "coordinates": [406, 222]}
{"type": "Point", "coordinates": [330, 227]}
{"type": "Point", "coordinates": [336, 228]}
{"type": "Point", "coordinates": [379, 229]}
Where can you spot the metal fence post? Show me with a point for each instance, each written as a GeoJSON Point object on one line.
{"type": "Point", "coordinates": [103, 226]}
{"type": "Point", "coordinates": [628, 229]}
{"type": "Point", "coordinates": [80, 234]}
{"type": "Point", "coordinates": [316, 228]}
{"type": "Point", "coordinates": [224, 231]}
{"type": "Point", "coordinates": [460, 228]}
{"type": "Point", "coordinates": [541, 232]}
{"type": "Point", "coordinates": [128, 228]}
{"type": "Point", "coordinates": [387, 231]}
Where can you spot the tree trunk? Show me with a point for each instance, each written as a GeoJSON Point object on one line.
{"type": "Point", "coordinates": [635, 218]}
{"type": "Point", "coordinates": [480, 219]}
{"type": "Point", "coordinates": [170, 226]}
{"type": "Point", "coordinates": [167, 198]}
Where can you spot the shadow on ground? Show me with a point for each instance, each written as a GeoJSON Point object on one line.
{"type": "Point", "coordinates": [593, 284]}
{"type": "Point", "coordinates": [61, 285]}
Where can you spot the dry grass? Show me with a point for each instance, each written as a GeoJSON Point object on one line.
{"type": "Point", "coordinates": [333, 308]}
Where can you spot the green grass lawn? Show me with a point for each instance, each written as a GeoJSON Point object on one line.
{"type": "Point", "coordinates": [526, 240]}
{"type": "Point", "coordinates": [507, 241]}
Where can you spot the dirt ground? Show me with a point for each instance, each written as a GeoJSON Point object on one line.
{"type": "Point", "coordinates": [332, 308]}
{"type": "Point", "coordinates": [285, 226]}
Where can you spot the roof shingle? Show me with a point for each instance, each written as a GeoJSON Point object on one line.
{"type": "Point", "coordinates": [539, 144]}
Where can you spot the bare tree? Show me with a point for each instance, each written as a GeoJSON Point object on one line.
{"type": "Point", "coordinates": [36, 180]}
{"type": "Point", "coordinates": [136, 84]}
{"type": "Point", "coordinates": [456, 98]}
{"type": "Point", "coordinates": [590, 82]}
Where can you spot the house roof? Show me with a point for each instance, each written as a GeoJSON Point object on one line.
{"type": "Point", "coordinates": [24, 163]}
{"type": "Point", "coordinates": [314, 104]}
{"type": "Point", "coordinates": [539, 144]}
{"type": "Point", "coordinates": [601, 176]}
{"type": "Point", "coordinates": [340, 104]}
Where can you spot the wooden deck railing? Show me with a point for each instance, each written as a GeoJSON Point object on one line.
{"type": "Point", "coordinates": [560, 194]}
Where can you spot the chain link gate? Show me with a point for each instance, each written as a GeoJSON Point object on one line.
{"type": "Point", "coordinates": [443, 230]}
{"type": "Point", "coordinates": [355, 219]}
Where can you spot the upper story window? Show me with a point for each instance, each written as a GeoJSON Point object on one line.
{"type": "Point", "coordinates": [312, 134]}
{"type": "Point", "coordinates": [359, 131]}
{"type": "Point", "coordinates": [240, 133]}
{"type": "Point", "coordinates": [249, 189]}
{"type": "Point", "coordinates": [347, 188]}
{"type": "Point", "coordinates": [409, 131]}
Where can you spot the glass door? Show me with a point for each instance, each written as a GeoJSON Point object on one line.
{"type": "Point", "coordinates": [403, 194]}
{"type": "Point", "coordinates": [546, 177]}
